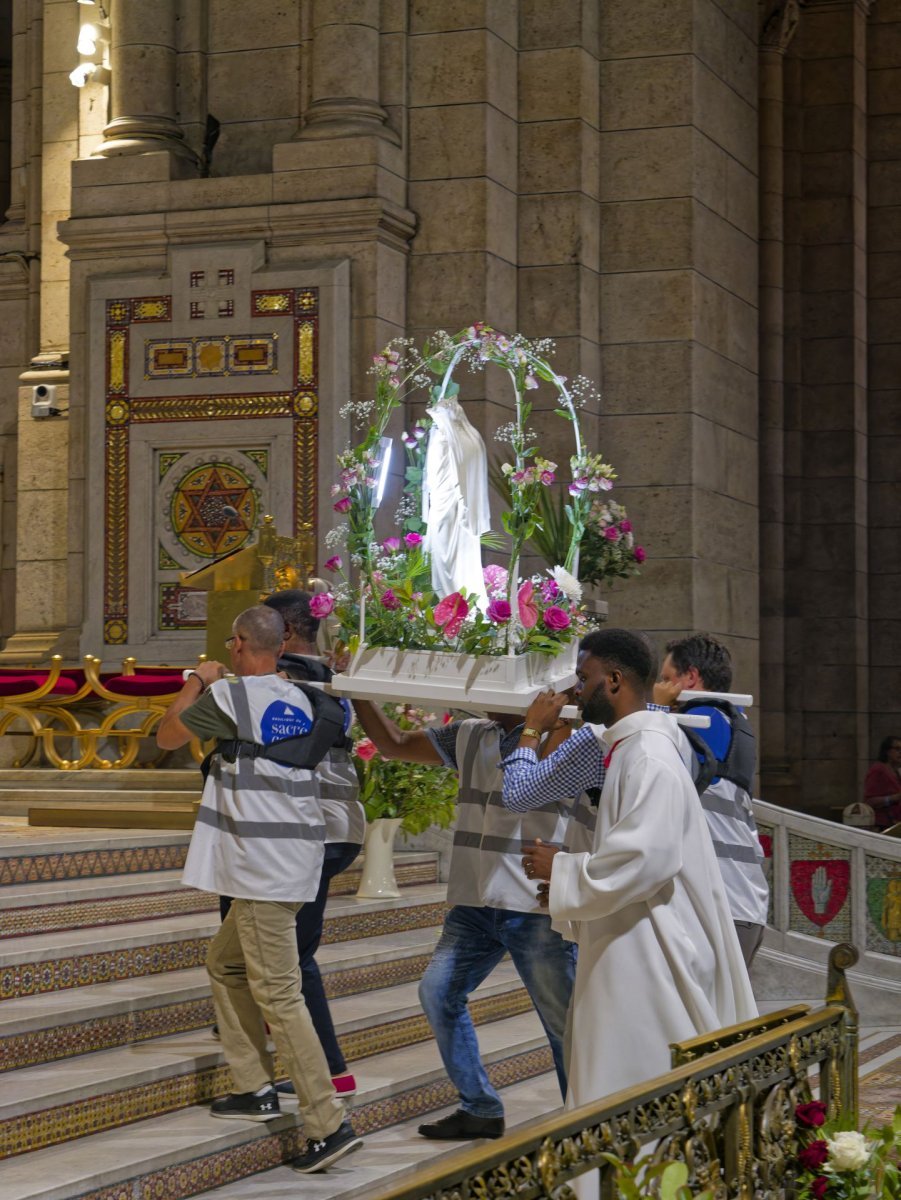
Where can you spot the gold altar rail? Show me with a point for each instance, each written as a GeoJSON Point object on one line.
{"type": "Point", "coordinates": [82, 722]}
{"type": "Point", "coordinates": [726, 1110]}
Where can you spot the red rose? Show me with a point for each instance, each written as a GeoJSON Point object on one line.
{"type": "Point", "coordinates": [813, 1156]}
{"type": "Point", "coordinates": [819, 1187]}
{"type": "Point", "coordinates": [365, 749]}
{"type": "Point", "coordinates": [811, 1115]}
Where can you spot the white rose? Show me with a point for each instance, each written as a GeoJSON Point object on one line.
{"type": "Point", "coordinates": [848, 1151]}
{"type": "Point", "coordinates": [570, 587]}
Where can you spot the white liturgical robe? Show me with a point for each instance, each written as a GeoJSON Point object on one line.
{"type": "Point", "coordinates": [659, 960]}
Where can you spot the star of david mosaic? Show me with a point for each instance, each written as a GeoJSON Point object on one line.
{"type": "Point", "coordinates": [214, 509]}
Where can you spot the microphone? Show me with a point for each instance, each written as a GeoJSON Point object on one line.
{"type": "Point", "coordinates": [230, 513]}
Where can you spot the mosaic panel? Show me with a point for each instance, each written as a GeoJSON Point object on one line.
{"type": "Point", "coordinates": [168, 460]}
{"type": "Point", "coordinates": [202, 1174]}
{"type": "Point", "coordinates": [819, 889]}
{"type": "Point", "coordinates": [883, 905]}
{"type": "Point", "coordinates": [152, 308]}
{"type": "Point", "coordinates": [253, 356]}
{"type": "Point", "coordinates": [180, 607]}
{"type": "Point", "coordinates": [168, 358]}
{"type": "Point", "coordinates": [278, 301]}
{"type": "Point", "coordinates": [214, 509]}
{"type": "Point", "coordinates": [165, 561]}
{"type": "Point", "coordinates": [306, 357]}
{"type": "Point", "coordinates": [90, 864]}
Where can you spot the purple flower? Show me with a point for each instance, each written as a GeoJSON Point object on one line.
{"type": "Point", "coordinates": [531, 382]}
{"type": "Point", "coordinates": [413, 540]}
{"type": "Point", "coordinates": [547, 478]}
{"type": "Point", "coordinates": [334, 564]}
{"type": "Point", "coordinates": [409, 440]}
{"type": "Point", "coordinates": [611, 533]}
{"type": "Point", "coordinates": [342, 505]}
{"type": "Point", "coordinates": [499, 612]}
{"type": "Point", "coordinates": [549, 590]}
{"type": "Point", "coordinates": [321, 604]}
{"type": "Point", "coordinates": [389, 600]}
{"type": "Point", "coordinates": [392, 545]}
{"type": "Point", "coordinates": [495, 579]}
{"type": "Point", "coordinates": [625, 526]}
{"type": "Point", "coordinates": [640, 554]}
{"type": "Point", "coordinates": [419, 433]}
{"type": "Point", "coordinates": [555, 618]}
{"type": "Point", "coordinates": [394, 381]}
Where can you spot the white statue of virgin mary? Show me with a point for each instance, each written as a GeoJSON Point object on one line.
{"type": "Point", "coordinates": [455, 505]}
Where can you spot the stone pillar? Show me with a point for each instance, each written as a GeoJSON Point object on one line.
{"type": "Point", "coordinates": [344, 67]}
{"type": "Point", "coordinates": [884, 366]}
{"type": "Point", "coordinates": [558, 247]}
{"type": "Point", "coordinates": [679, 296]}
{"type": "Point", "coordinates": [827, 575]}
{"type": "Point", "coordinates": [779, 28]}
{"type": "Point", "coordinates": [142, 90]}
{"type": "Point", "coordinates": [463, 183]}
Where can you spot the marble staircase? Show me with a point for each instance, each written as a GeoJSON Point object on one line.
{"type": "Point", "coordinates": [107, 1057]}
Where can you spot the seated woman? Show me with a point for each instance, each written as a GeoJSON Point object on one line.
{"type": "Point", "coordinates": [882, 785]}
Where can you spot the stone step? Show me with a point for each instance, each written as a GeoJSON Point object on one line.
{"type": "Point", "coordinates": [29, 855]}
{"type": "Point", "coordinates": [151, 813]}
{"type": "Point", "coordinates": [114, 1087]}
{"type": "Point", "coordinates": [185, 1152]}
{"type": "Point", "coordinates": [110, 900]}
{"type": "Point", "coordinates": [52, 781]}
{"type": "Point", "coordinates": [32, 965]}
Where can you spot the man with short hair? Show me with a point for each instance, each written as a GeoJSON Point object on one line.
{"type": "Point", "coordinates": [345, 823]}
{"type": "Point", "coordinates": [494, 910]}
{"type": "Point", "coordinates": [659, 961]}
{"type": "Point", "coordinates": [258, 837]}
{"type": "Point", "coordinates": [701, 663]}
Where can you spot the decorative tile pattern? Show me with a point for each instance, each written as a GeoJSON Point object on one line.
{"type": "Point", "coordinates": [116, 910]}
{"type": "Point", "coordinates": [152, 308]}
{"type": "Point", "coordinates": [198, 509]}
{"type": "Point", "coordinates": [820, 889]}
{"type": "Point", "coordinates": [167, 359]}
{"type": "Point", "coordinates": [388, 920]}
{"type": "Point", "coordinates": [879, 1094]}
{"type": "Point", "coordinates": [89, 864]}
{"type": "Point", "coordinates": [202, 1174]}
{"type": "Point", "coordinates": [883, 905]}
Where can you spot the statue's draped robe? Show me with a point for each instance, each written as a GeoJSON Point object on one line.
{"type": "Point", "coordinates": [455, 501]}
{"type": "Point", "coordinates": [659, 960]}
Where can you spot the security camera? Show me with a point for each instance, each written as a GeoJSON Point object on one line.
{"type": "Point", "coordinates": [43, 401]}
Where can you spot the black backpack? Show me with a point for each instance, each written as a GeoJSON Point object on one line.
{"type": "Point", "coordinates": [741, 758]}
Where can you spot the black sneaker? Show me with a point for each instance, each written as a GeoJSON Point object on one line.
{"type": "Point", "coordinates": [321, 1154]}
{"type": "Point", "coordinates": [215, 1032]}
{"type": "Point", "coordinates": [245, 1106]}
{"type": "Point", "coordinates": [462, 1126]}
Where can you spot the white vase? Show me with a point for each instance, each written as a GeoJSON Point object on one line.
{"type": "Point", "coordinates": [378, 882]}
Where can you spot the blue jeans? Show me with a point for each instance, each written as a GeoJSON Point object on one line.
{"type": "Point", "coordinates": [472, 943]}
{"type": "Point", "coordinates": [338, 857]}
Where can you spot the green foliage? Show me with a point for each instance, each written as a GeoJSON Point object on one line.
{"type": "Point", "coordinates": [668, 1181]}
{"type": "Point", "coordinates": [421, 795]}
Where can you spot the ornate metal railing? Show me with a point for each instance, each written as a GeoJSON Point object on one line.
{"type": "Point", "coordinates": [726, 1110]}
{"type": "Point", "coordinates": [80, 718]}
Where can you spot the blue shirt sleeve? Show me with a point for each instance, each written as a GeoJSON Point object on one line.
{"type": "Point", "coordinates": [574, 766]}
{"type": "Point", "coordinates": [444, 739]}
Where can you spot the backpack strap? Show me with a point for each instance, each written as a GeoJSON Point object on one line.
{"type": "Point", "coordinates": [708, 765]}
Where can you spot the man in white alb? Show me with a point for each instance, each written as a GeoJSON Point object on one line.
{"type": "Point", "coordinates": [659, 960]}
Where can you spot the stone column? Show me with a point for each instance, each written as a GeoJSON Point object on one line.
{"type": "Point", "coordinates": [142, 91]}
{"type": "Point", "coordinates": [345, 73]}
{"type": "Point", "coordinates": [779, 29]}
{"type": "Point", "coordinates": [827, 576]}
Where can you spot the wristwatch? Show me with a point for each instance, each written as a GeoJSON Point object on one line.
{"type": "Point", "coordinates": [531, 733]}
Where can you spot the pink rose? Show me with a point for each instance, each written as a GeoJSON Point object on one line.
{"type": "Point", "coordinates": [389, 600]}
{"type": "Point", "coordinates": [365, 750]}
{"type": "Point", "coordinates": [625, 526]}
{"type": "Point", "coordinates": [450, 613]}
{"type": "Point", "coordinates": [611, 533]}
{"type": "Point", "coordinates": [342, 505]}
{"type": "Point", "coordinates": [528, 609]}
{"type": "Point", "coordinates": [391, 544]}
{"type": "Point", "coordinates": [499, 611]}
{"type": "Point", "coordinates": [334, 564]}
{"type": "Point", "coordinates": [412, 540]}
{"type": "Point", "coordinates": [322, 604]}
{"type": "Point", "coordinates": [640, 554]}
{"type": "Point", "coordinates": [555, 618]}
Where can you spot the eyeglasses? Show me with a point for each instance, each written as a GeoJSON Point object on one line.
{"type": "Point", "coordinates": [230, 641]}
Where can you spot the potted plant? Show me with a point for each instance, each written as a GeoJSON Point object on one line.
{"type": "Point", "coordinates": [398, 795]}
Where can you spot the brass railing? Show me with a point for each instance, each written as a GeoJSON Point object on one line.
{"type": "Point", "coordinates": [726, 1110]}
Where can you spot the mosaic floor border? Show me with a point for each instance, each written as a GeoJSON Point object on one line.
{"type": "Point", "coordinates": [105, 966]}
{"type": "Point", "coordinates": [210, 1171]}
{"type": "Point", "coordinates": [123, 910]}
{"type": "Point", "coordinates": [110, 1110]}
{"type": "Point", "coordinates": [90, 864]}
